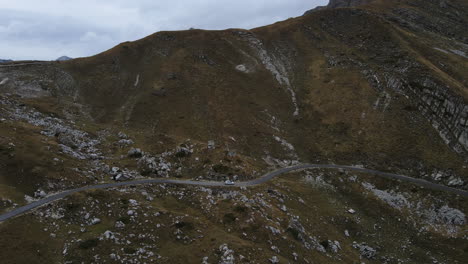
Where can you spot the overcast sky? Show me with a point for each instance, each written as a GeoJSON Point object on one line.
{"type": "Point", "coordinates": [48, 29]}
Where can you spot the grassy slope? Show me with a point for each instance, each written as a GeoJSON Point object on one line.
{"type": "Point", "coordinates": [188, 88]}
{"type": "Point", "coordinates": [396, 234]}
{"type": "Point", "coordinates": [209, 99]}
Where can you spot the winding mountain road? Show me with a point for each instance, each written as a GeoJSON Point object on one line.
{"type": "Point", "coordinates": [265, 178]}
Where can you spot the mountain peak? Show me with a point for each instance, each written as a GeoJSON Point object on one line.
{"type": "Point", "coordinates": [64, 58]}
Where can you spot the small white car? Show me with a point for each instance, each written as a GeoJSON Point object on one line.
{"type": "Point", "coordinates": [229, 182]}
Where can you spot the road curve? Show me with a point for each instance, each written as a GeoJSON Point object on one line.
{"type": "Point", "coordinates": [265, 178]}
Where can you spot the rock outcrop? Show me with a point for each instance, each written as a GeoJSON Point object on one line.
{"type": "Point", "coordinates": [346, 3]}
{"type": "Point", "coordinates": [338, 4]}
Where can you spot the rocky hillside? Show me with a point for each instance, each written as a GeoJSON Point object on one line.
{"type": "Point", "coordinates": [380, 84]}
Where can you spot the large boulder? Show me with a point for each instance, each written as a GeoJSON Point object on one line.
{"type": "Point", "coordinates": [135, 153]}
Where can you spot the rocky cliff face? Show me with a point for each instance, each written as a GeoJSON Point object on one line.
{"type": "Point", "coordinates": [445, 108]}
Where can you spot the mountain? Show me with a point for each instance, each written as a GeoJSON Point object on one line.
{"type": "Point", "coordinates": [63, 58]}
{"type": "Point", "coordinates": [3, 61]}
{"type": "Point", "coordinates": [374, 84]}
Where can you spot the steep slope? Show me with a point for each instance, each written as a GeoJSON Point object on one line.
{"type": "Point", "coordinates": [350, 85]}
{"type": "Point", "coordinates": [381, 85]}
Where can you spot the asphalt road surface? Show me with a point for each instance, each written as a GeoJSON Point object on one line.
{"type": "Point", "coordinates": [265, 178]}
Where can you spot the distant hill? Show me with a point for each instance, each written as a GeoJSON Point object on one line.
{"type": "Point", "coordinates": [3, 61]}
{"type": "Point", "coordinates": [64, 58]}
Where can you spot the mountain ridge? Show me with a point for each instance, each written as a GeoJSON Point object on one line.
{"type": "Point", "coordinates": [271, 63]}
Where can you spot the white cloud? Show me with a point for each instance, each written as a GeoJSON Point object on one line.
{"type": "Point", "coordinates": [47, 29]}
